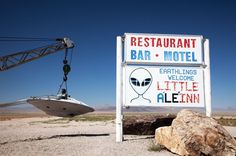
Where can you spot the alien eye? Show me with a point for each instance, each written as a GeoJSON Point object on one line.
{"type": "Point", "coordinates": [135, 81]}
{"type": "Point", "coordinates": [146, 82]}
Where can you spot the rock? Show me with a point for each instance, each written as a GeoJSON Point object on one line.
{"type": "Point", "coordinates": [145, 125]}
{"type": "Point", "coordinates": [194, 134]}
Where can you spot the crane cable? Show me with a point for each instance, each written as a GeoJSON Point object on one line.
{"type": "Point", "coordinates": [66, 70]}
{"type": "Point", "coordinates": [10, 39]}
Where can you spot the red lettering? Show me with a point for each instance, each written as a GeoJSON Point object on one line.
{"type": "Point", "coordinates": [140, 41]}
{"type": "Point", "coordinates": [196, 98]}
{"type": "Point", "coordinates": [195, 87]}
{"type": "Point", "coordinates": [152, 41]}
{"type": "Point", "coordinates": [186, 43]}
{"type": "Point", "coordinates": [179, 43]}
{"type": "Point", "coordinates": [166, 42]}
{"type": "Point", "coordinates": [158, 42]}
{"type": "Point", "coordinates": [193, 42]}
{"type": "Point", "coordinates": [146, 43]}
{"type": "Point", "coordinates": [158, 86]}
{"type": "Point", "coordinates": [181, 83]}
{"type": "Point", "coordinates": [174, 83]}
{"type": "Point", "coordinates": [186, 87]}
{"type": "Point", "coordinates": [133, 41]}
{"type": "Point", "coordinates": [189, 98]}
{"type": "Point", "coordinates": [167, 85]}
{"type": "Point", "coordinates": [163, 42]}
{"type": "Point", "coordinates": [182, 98]}
{"type": "Point", "coordinates": [172, 43]}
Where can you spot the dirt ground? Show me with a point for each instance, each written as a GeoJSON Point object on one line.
{"type": "Point", "coordinates": [37, 136]}
{"type": "Point", "coordinates": [45, 135]}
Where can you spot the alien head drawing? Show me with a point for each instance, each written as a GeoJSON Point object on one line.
{"type": "Point", "coordinates": [140, 80]}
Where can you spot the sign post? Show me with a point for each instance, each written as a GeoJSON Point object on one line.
{"type": "Point", "coordinates": [158, 70]}
{"type": "Point", "coordinates": [207, 77]}
{"type": "Point", "coordinates": [119, 112]}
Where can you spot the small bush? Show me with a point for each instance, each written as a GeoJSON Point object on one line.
{"type": "Point", "coordinates": [226, 121]}
{"type": "Point", "coordinates": [92, 117]}
{"type": "Point", "coordinates": [156, 147]}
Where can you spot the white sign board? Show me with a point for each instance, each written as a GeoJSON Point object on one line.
{"type": "Point", "coordinates": [155, 48]}
{"type": "Point", "coordinates": [164, 86]}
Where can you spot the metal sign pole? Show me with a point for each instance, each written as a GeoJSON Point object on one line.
{"type": "Point", "coordinates": [119, 112]}
{"type": "Point", "coordinates": [207, 78]}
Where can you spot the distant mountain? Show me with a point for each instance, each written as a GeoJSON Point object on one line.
{"type": "Point", "coordinates": [228, 108]}
{"type": "Point", "coordinates": [171, 110]}
{"type": "Point", "coordinates": [20, 108]}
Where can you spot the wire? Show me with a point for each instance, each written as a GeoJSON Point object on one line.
{"type": "Point", "coordinates": [66, 88]}
{"type": "Point", "coordinates": [71, 56]}
{"type": "Point", "coordinates": [16, 39]}
{"type": "Point", "coordinates": [5, 40]}
{"type": "Point", "coordinates": [60, 87]}
{"type": "Point", "coordinates": [70, 61]}
{"type": "Point", "coordinates": [66, 53]}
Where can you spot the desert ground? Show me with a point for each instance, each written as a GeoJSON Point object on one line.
{"type": "Point", "coordinates": [87, 135]}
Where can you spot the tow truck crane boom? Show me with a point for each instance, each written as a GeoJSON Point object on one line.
{"type": "Point", "coordinates": [13, 60]}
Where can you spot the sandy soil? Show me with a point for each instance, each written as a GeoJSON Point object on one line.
{"type": "Point", "coordinates": [30, 136]}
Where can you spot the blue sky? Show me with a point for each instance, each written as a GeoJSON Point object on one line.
{"type": "Point", "coordinates": [93, 26]}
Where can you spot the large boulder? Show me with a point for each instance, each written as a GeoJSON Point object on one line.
{"type": "Point", "coordinates": [194, 134]}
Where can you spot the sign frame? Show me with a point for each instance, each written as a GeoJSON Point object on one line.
{"type": "Point", "coordinates": [120, 77]}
